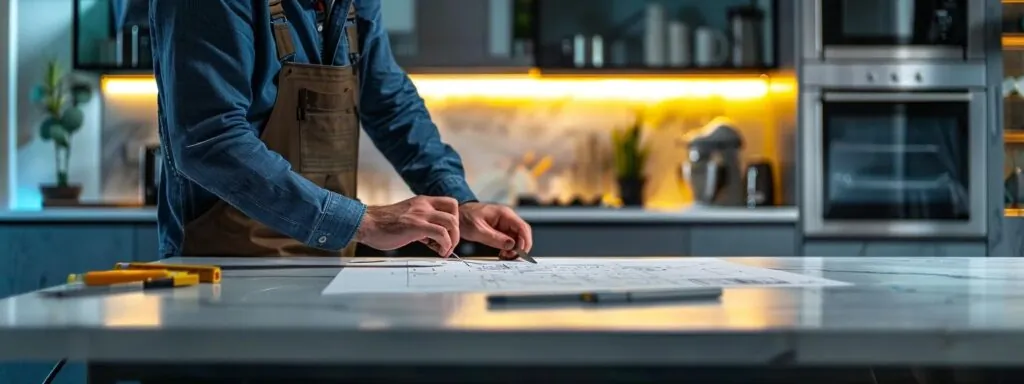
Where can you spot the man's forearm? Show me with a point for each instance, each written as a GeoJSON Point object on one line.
{"type": "Point", "coordinates": [244, 173]}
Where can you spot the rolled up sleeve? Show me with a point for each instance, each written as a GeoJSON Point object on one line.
{"type": "Point", "coordinates": [205, 59]}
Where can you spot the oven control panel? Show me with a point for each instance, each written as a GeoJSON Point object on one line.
{"type": "Point", "coordinates": [902, 76]}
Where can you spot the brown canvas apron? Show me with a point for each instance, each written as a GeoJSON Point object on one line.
{"type": "Point", "coordinates": [315, 126]}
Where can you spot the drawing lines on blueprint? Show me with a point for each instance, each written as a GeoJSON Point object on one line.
{"type": "Point", "coordinates": [567, 275]}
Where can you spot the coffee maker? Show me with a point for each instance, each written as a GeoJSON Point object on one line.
{"type": "Point", "coordinates": [712, 168]}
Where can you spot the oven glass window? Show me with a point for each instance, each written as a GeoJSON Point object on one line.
{"type": "Point", "coordinates": [886, 160]}
{"type": "Point", "coordinates": [894, 22]}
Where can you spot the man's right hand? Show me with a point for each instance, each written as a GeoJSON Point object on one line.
{"type": "Point", "coordinates": [430, 220]}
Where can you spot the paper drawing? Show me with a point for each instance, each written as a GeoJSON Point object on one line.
{"type": "Point", "coordinates": [565, 276]}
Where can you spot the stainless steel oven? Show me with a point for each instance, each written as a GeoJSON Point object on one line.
{"type": "Point", "coordinates": [894, 163]}
{"type": "Point", "coordinates": [892, 29]}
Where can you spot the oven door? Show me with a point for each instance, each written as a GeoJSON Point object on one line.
{"type": "Point", "coordinates": [898, 29]}
{"type": "Point", "coordinates": [894, 164]}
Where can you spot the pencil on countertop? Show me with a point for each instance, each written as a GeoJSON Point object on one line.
{"type": "Point", "coordinates": [101, 278]}
{"type": "Point", "coordinates": [207, 273]}
{"type": "Point", "coordinates": [174, 281]}
{"type": "Point", "coordinates": [77, 287]}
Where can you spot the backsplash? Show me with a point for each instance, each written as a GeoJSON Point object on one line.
{"type": "Point", "coordinates": [494, 134]}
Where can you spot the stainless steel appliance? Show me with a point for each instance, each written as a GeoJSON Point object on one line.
{"type": "Point", "coordinates": [760, 184]}
{"type": "Point", "coordinates": [713, 166]}
{"type": "Point", "coordinates": [150, 174]}
{"type": "Point", "coordinates": [894, 162]}
{"type": "Point", "coordinates": [893, 29]}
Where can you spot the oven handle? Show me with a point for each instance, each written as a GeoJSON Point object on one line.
{"type": "Point", "coordinates": [895, 96]}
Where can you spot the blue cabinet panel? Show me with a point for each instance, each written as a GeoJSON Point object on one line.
{"type": "Point", "coordinates": [40, 255]}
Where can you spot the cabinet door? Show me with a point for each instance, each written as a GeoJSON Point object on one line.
{"type": "Point", "coordinates": [111, 35]}
{"type": "Point", "coordinates": [452, 33]}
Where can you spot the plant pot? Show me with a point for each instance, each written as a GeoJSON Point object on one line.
{"type": "Point", "coordinates": [56, 195]}
{"type": "Point", "coordinates": [631, 191]}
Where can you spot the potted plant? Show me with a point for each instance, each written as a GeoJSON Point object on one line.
{"type": "Point", "coordinates": [630, 156]}
{"type": "Point", "coordinates": [61, 96]}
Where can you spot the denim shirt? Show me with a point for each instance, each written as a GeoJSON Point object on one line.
{"type": "Point", "coordinates": [216, 67]}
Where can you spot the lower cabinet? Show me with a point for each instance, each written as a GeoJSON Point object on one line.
{"type": "Point", "coordinates": [574, 239]}
{"type": "Point", "coordinates": [890, 248]}
{"type": "Point", "coordinates": [41, 255]}
{"type": "Point", "coordinates": [744, 240]}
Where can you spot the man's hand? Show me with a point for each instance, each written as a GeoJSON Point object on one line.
{"type": "Point", "coordinates": [431, 220]}
{"type": "Point", "coordinates": [495, 226]}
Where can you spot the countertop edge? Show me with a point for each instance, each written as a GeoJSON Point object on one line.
{"type": "Point", "coordinates": [773, 215]}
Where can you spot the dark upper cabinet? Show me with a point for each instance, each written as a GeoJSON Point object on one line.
{"type": "Point", "coordinates": [475, 35]}
{"type": "Point", "coordinates": [111, 35]}
{"type": "Point", "coordinates": [456, 33]}
{"type": "Point", "coordinates": [655, 34]}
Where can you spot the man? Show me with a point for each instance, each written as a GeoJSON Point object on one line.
{"type": "Point", "coordinates": [260, 103]}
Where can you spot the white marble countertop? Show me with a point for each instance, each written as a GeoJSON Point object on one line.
{"type": "Point", "coordinates": [915, 311]}
{"type": "Point", "coordinates": [692, 214]}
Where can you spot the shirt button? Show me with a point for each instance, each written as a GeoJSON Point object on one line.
{"type": "Point", "coordinates": [322, 239]}
{"type": "Point", "coordinates": [320, 28]}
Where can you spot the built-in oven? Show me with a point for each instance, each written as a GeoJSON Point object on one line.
{"type": "Point", "coordinates": [893, 29]}
{"type": "Point", "coordinates": [894, 163]}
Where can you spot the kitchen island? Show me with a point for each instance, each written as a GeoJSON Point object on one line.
{"type": "Point", "coordinates": [40, 248]}
{"type": "Point", "coordinates": [930, 312]}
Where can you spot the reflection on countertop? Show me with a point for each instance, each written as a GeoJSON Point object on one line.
{"type": "Point", "coordinates": [691, 214]}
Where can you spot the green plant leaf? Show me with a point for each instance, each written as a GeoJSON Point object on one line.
{"type": "Point", "coordinates": [629, 152]}
{"type": "Point", "coordinates": [72, 119]}
{"type": "Point", "coordinates": [53, 75]}
{"type": "Point", "coordinates": [47, 127]}
{"type": "Point", "coordinates": [38, 94]}
{"type": "Point", "coordinates": [60, 136]}
{"type": "Point", "coordinates": [81, 93]}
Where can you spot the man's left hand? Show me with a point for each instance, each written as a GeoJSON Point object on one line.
{"type": "Point", "coordinates": [495, 226]}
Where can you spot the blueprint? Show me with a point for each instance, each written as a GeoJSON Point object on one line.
{"type": "Point", "coordinates": [564, 275]}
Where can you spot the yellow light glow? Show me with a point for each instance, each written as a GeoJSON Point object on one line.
{"type": "Point", "coordinates": [128, 85]}
{"type": "Point", "coordinates": [1013, 41]}
{"type": "Point", "coordinates": [133, 310]}
{"type": "Point", "coordinates": [535, 87]}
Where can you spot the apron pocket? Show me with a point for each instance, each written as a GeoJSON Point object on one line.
{"type": "Point", "coordinates": [328, 133]}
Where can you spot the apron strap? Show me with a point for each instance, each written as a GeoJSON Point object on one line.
{"type": "Point", "coordinates": [286, 45]}
{"type": "Point", "coordinates": [352, 30]}
{"type": "Point", "coordinates": [282, 32]}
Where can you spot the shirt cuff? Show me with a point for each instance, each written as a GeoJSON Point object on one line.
{"type": "Point", "coordinates": [454, 187]}
{"type": "Point", "coordinates": [337, 225]}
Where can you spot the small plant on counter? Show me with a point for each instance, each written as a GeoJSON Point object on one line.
{"type": "Point", "coordinates": [630, 158]}
{"type": "Point", "coordinates": [61, 96]}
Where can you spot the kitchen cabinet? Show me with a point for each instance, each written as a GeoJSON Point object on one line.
{"type": "Point", "coordinates": [111, 35]}
{"type": "Point", "coordinates": [669, 35]}
{"type": "Point", "coordinates": [889, 248]}
{"type": "Point", "coordinates": [776, 240]}
{"type": "Point", "coordinates": [612, 240]}
{"type": "Point", "coordinates": [42, 254]}
{"type": "Point", "coordinates": [450, 35]}
{"type": "Point", "coordinates": [455, 33]}
{"type": "Point", "coordinates": [39, 255]}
